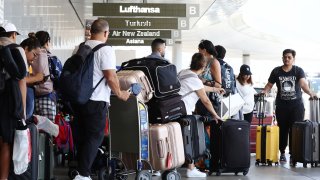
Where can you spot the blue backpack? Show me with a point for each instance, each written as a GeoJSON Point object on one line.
{"type": "Point", "coordinates": [76, 78]}
{"type": "Point", "coordinates": [227, 76]}
{"type": "Point", "coordinates": [55, 69]}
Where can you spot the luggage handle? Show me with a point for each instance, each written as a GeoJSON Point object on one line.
{"type": "Point", "coordinates": [261, 113]}
{"type": "Point", "coordinates": [314, 106]}
{"type": "Point", "coordinates": [160, 148]}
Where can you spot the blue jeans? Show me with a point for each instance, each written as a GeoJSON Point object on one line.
{"type": "Point", "coordinates": [29, 102]}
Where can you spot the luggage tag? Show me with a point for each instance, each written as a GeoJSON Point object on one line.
{"type": "Point", "coordinates": [169, 160]}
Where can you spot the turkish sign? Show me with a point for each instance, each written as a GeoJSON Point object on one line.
{"type": "Point", "coordinates": [166, 34]}
{"type": "Point", "coordinates": [150, 9]}
{"type": "Point", "coordinates": [148, 23]}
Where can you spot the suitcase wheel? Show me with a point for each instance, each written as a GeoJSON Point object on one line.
{"type": "Point", "coordinates": [72, 173]}
{"type": "Point", "coordinates": [236, 173]}
{"type": "Point", "coordinates": [171, 175]}
{"type": "Point", "coordinates": [245, 172]}
{"type": "Point", "coordinates": [143, 175]}
{"type": "Point", "coordinates": [257, 163]}
{"type": "Point", "coordinates": [218, 173]}
{"type": "Point", "coordinates": [304, 165]}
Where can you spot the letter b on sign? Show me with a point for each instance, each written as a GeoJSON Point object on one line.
{"type": "Point", "coordinates": [183, 23]}
{"type": "Point", "coordinates": [192, 10]}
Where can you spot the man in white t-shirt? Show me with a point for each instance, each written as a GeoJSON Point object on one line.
{"type": "Point", "coordinates": [92, 115]}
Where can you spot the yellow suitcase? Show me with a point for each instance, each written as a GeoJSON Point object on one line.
{"type": "Point", "coordinates": [267, 145]}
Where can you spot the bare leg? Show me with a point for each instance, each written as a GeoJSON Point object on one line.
{"type": "Point", "coordinates": [4, 160]}
{"type": "Point", "coordinates": [190, 166]}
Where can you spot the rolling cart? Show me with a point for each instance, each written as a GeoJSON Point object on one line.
{"type": "Point", "coordinates": [128, 133]}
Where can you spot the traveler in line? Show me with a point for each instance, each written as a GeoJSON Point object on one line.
{"type": "Point", "coordinates": [31, 47]}
{"type": "Point", "coordinates": [210, 75]}
{"type": "Point", "coordinates": [245, 89]}
{"type": "Point", "coordinates": [289, 105]}
{"type": "Point", "coordinates": [190, 82]}
{"type": "Point", "coordinates": [8, 119]}
{"type": "Point", "coordinates": [92, 115]}
{"type": "Point", "coordinates": [45, 101]}
{"type": "Point", "coordinates": [158, 47]}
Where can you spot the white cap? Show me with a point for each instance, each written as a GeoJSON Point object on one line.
{"type": "Point", "coordinates": [9, 27]}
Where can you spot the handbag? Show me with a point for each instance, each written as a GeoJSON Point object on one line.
{"type": "Point", "coordinates": [231, 105]}
{"type": "Point", "coordinates": [21, 155]}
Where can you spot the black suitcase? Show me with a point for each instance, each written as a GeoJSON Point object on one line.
{"type": "Point", "coordinates": [194, 138]}
{"type": "Point", "coordinates": [163, 110]}
{"type": "Point", "coordinates": [161, 74]}
{"type": "Point", "coordinates": [32, 171]}
{"type": "Point", "coordinates": [305, 144]}
{"type": "Point", "coordinates": [230, 147]}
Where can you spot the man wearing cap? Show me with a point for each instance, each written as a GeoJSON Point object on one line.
{"type": "Point", "coordinates": [245, 88]}
{"type": "Point", "coordinates": [290, 79]}
{"type": "Point", "coordinates": [8, 35]}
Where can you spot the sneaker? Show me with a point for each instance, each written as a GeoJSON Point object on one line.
{"type": "Point", "coordinates": [79, 177]}
{"type": "Point", "coordinates": [156, 173]}
{"type": "Point", "coordinates": [195, 173]}
{"type": "Point", "coordinates": [283, 158]}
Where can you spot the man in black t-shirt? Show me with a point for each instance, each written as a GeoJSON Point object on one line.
{"type": "Point", "coordinates": [290, 79]}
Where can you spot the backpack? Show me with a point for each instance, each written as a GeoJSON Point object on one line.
{"type": "Point", "coordinates": [77, 75]}
{"type": "Point", "coordinates": [64, 140]}
{"type": "Point", "coordinates": [227, 76]}
{"type": "Point", "coordinates": [55, 69]}
{"type": "Point", "coordinates": [12, 64]}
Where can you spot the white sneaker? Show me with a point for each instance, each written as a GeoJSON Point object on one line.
{"type": "Point", "coordinates": [156, 173]}
{"type": "Point", "coordinates": [195, 173]}
{"type": "Point", "coordinates": [79, 177]}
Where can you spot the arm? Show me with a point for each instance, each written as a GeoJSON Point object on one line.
{"type": "Point", "coordinates": [33, 79]}
{"type": "Point", "coordinates": [113, 82]}
{"type": "Point", "coordinates": [267, 88]}
{"type": "Point", "coordinates": [23, 90]}
{"type": "Point", "coordinates": [216, 73]}
{"type": "Point", "coordinates": [206, 102]}
{"type": "Point", "coordinates": [214, 89]}
{"type": "Point", "coordinates": [304, 85]}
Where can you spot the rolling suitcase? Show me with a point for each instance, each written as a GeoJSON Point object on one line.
{"type": "Point", "coordinates": [32, 171]}
{"type": "Point", "coordinates": [193, 138]}
{"type": "Point", "coordinates": [128, 77]}
{"type": "Point", "coordinates": [267, 139]}
{"type": "Point", "coordinates": [253, 130]}
{"type": "Point", "coordinates": [166, 146]}
{"type": "Point", "coordinates": [305, 146]}
{"type": "Point", "coordinates": [46, 157]}
{"type": "Point", "coordinates": [230, 147]}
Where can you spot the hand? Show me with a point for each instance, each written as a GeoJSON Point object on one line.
{"type": "Point", "coordinates": [124, 95]}
{"type": "Point", "coordinates": [313, 96]}
{"type": "Point", "coordinates": [219, 90]}
{"type": "Point", "coordinates": [39, 77]}
{"type": "Point", "coordinates": [216, 118]}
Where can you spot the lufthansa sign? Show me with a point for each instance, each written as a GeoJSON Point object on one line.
{"type": "Point", "coordinates": [148, 23]}
{"type": "Point", "coordinates": [150, 9]}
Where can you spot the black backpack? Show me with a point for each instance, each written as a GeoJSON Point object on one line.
{"type": "Point", "coordinates": [227, 76]}
{"type": "Point", "coordinates": [12, 64]}
{"type": "Point", "coordinates": [76, 78]}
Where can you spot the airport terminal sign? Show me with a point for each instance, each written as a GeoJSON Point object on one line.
{"type": "Point", "coordinates": [166, 34]}
{"type": "Point", "coordinates": [135, 42]}
{"type": "Point", "coordinates": [148, 23]}
{"type": "Point", "coordinates": [143, 9]}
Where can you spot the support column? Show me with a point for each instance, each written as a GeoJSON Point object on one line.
{"type": "Point", "coordinates": [177, 55]}
{"type": "Point", "coordinates": [246, 59]}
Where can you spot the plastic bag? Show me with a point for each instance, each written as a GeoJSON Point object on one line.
{"type": "Point", "coordinates": [21, 155]}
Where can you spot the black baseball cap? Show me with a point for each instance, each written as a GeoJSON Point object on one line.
{"type": "Point", "coordinates": [245, 70]}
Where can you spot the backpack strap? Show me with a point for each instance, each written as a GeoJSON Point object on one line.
{"type": "Point", "coordinates": [94, 50]}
